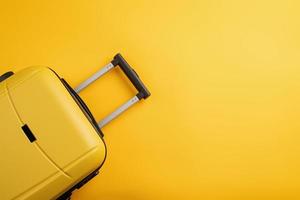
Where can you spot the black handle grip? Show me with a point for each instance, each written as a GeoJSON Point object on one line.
{"type": "Point", "coordinates": [132, 75]}
{"type": "Point", "coordinates": [6, 75]}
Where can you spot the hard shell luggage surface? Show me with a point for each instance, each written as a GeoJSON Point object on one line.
{"type": "Point", "coordinates": [51, 143]}
{"type": "Point", "coordinates": [65, 148]}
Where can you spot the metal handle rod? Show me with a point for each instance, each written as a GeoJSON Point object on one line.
{"type": "Point", "coordinates": [94, 77]}
{"type": "Point", "coordinates": [118, 111]}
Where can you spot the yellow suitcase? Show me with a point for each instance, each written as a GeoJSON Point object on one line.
{"type": "Point", "coordinates": [51, 144]}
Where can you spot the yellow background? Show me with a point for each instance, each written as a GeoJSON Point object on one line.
{"type": "Point", "coordinates": [223, 118]}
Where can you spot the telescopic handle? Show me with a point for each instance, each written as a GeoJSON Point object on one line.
{"type": "Point", "coordinates": [132, 76]}
{"type": "Point", "coordinates": [143, 92]}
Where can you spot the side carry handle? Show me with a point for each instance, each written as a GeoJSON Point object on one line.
{"type": "Point", "coordinates": [143, 92]}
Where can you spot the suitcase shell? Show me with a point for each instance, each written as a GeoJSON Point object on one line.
{"type": "Point", "coordinates": [50, 143]}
